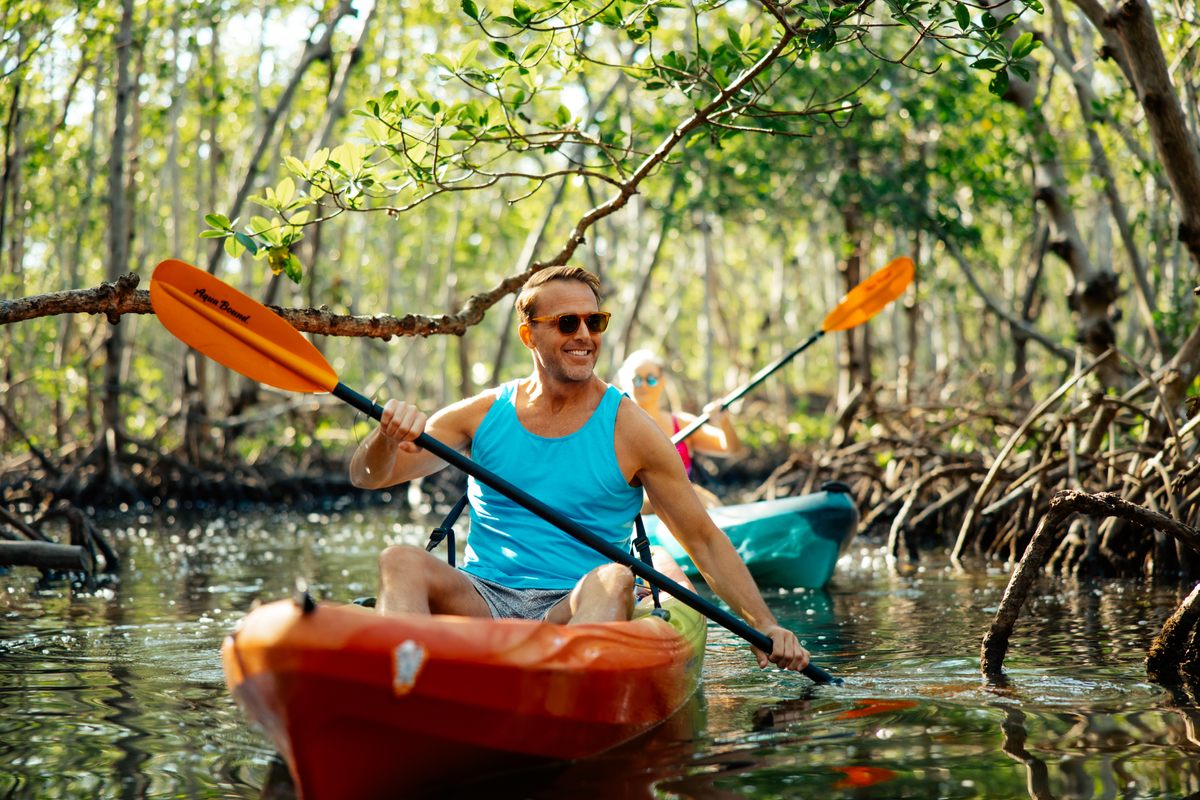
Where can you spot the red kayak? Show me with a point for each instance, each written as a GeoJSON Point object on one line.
{"type": "Point", "coordinates": [366, 706]}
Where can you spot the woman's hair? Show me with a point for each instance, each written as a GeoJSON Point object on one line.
{"type": "Point", "coordinates": [637, 358]}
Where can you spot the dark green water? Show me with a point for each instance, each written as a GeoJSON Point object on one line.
{"type": "Point", "coordinates": [119, 694]}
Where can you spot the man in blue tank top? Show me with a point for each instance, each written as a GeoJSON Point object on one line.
{"type": "Point", "coordinates": [578, 445]}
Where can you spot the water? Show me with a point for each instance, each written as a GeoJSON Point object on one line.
{"type": "Point", "coordinates": [119, 693]}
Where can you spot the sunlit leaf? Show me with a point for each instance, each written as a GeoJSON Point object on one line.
{"type": "Point", "coordinates": [217, 221]}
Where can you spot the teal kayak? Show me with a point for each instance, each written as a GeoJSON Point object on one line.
{"type": "Point", "coordinates": [793, 542]}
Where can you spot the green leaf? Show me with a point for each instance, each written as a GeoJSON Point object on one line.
{"type": "Point", "coordinates": [292, 267]}
{"type": "Point", "coordinates": [468, 52]}
{"type": "Point", "coordinates": [522, 12]}
{"type": "Point", "coordinates": [987, 63]}
{"type": "Point", "coordinates": [746, 33]}
{"type": "Point", "coordinates": [987, 20]}
{"type": "Point", "coordinates": [999, 84]}
{"type": "Point", "coordinates": [295, 165]}
{"type": "Point", "coordinates": [285, 192]}
{"type": "Point", "coordinates": [963, 15]}
{"type": "Point", "coordinates": [233, 248]}
{"type": "Point", "coordinates": [217, 221]}
{"type": "Point", "coordinates": [502, 50]}
{"type": "Point", "coordinates": [1023, 46]}
{"type": "Point", "coordinates": [246, 242]}
{"type": "Point", "coordinates": [470, 9]}
{"type": "Point", "coordinates": [820, 38]}
{"type": "Point", "coordinates": [213, 234]}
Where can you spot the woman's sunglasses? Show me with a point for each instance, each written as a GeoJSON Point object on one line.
{"type": "Point", "coordinates": [649, 380]}
{"type": "Point", "coordinates": [596, 322]}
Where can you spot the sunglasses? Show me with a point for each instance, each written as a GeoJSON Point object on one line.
{"type": "Point", "coordinates": [596, 322]}
{"type": "Point", "coordinates": [649, 380]}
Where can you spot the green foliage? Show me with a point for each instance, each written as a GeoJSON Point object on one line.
{"type": "Point", "coordinates": [428, 193]}
{"type": "Point", "coordinates": [805, 430]}
{"type": "Point", "coordinates": [506, 112]}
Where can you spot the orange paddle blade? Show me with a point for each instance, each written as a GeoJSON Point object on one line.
{"type": "Point", "coordinates": [235, 330]}
{"type": "Point", "coordinates": [869, 297]}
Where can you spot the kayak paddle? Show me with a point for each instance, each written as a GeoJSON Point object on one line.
{"type": "Point", "coordinates": [860, 304]}
{"type": "Point", "coordinates": [231, 328]}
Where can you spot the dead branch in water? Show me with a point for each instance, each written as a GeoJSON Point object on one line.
{"type": "Point", "coordinates": [1063, 505]}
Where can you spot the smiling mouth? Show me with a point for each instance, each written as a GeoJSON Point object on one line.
{"type": "Point", "coordinates": [579, 353]}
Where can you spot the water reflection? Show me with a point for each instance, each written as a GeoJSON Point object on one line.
{"type": "Point", "coordinates": [118, 693]}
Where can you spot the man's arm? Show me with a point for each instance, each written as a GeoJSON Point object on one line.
{"type": "Point", "coordinates": [387, 456]}
{"type": "Point", "coordinates": [659, 469]}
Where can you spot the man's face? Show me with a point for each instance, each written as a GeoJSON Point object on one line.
{"type": "Point", "coordinates": [565, 357]}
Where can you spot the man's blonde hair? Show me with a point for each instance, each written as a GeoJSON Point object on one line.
{"type": "Point", "coordinates": [525, 299]}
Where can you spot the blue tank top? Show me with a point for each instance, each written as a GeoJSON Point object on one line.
{"type": "Point", "coordinates": [576, 475]}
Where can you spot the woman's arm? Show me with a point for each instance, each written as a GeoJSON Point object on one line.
{"type": "Point", "coordinates": [717, 437]}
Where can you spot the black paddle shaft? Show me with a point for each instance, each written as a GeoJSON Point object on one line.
{"type": "Point", "coordinates": [759, 377]}
{"type": "Point", "coordinates": [640, 568]}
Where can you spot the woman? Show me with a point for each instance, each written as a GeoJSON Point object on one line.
{"type": "Point", "coordinates": [644, 378]}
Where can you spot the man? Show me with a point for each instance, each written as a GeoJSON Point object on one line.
{"type": "Point", "coordinates": [578, 445]}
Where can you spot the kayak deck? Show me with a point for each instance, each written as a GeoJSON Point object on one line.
{"type": "Point", "coordinates": [794, 542]}
{"type": "Point", "coordinates": [364, 705]}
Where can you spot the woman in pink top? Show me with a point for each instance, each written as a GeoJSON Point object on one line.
{"type": "Point", "coordinates": [644, 378]}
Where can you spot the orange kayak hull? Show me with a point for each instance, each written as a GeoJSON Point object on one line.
{"type": "Point", "coordinates": [362, 705]}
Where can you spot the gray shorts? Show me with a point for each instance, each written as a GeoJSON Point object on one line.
{"type": "Point", "coordinates": [506, 602]}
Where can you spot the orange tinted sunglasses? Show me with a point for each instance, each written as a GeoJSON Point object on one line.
{"type": "Point", "coordinates": [596, 322]}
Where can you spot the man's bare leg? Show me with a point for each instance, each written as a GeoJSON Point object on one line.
{"type": "Point", "coordinates": [603, 595]}
{"type": "Point", "coordinates": [412, 581]}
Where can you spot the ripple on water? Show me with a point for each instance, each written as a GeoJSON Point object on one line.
{"type": "Point", "coordinates": [134, 678]}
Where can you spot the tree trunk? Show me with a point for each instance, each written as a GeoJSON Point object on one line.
{"type": "Point", "coordinates": [80, 228]}
{"type": "Point", "coordinates": [650, 256]}
{"type": "Point", "coordinates": [335, 109]}
{"type": "Point", "coordinates": [1093, 288]}
{"type": "Point", "coordinates": [10, 182]}
{"type": "Point", "coordinates": [119, 233]}
{"type": "Point", "coordinates": [316, 48]}
{"type": "Point", "coordinates": [1080, 77]}
{"type": "Point", "coordinates": [1133, 22]}
{"type": "Point", "coordinates": [1020, 379]}
{"type": "Point", "coordinates": [532, 242]}
{"type": "Point", "coordinates": [854, 366]}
